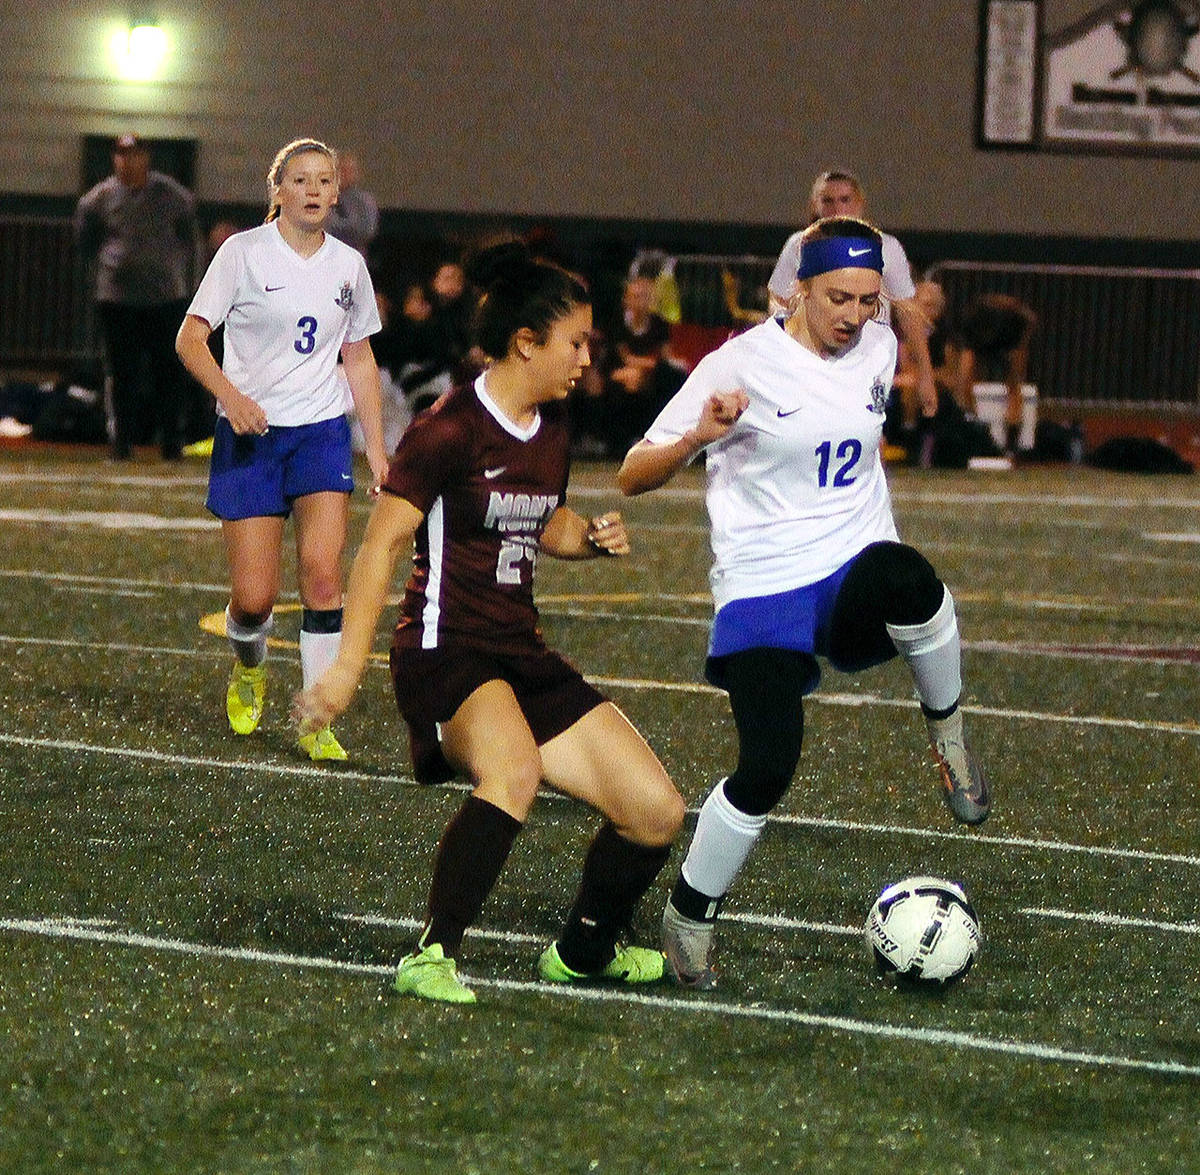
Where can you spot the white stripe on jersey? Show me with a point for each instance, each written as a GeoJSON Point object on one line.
{"type": "Point", "coordinates": [431, 614]}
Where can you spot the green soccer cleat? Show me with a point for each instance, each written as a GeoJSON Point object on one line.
{"type": "Point", "coordinates": [244, 697]}
{"type": "Point", "coordinates": [629, 965]}
{"type": "Point", "coordinates": [429, 975]}
{"type": "Point", "coordinates": [321, 744]}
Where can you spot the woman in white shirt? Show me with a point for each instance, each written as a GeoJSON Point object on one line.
{"type": "Point", "coordinates": [292, 299]}
{"type": "Point", "coordinates": [806, 557]}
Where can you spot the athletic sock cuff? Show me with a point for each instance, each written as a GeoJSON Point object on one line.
{"type": "Point", "coordinates": [735, 818]}
{"type": "Point", "coordinates": [247, 632]}
{"type": "Point", "coordinates": [929, 636]}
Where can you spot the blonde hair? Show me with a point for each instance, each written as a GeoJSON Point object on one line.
{"type": "Point", "coordinates": [282, 157]}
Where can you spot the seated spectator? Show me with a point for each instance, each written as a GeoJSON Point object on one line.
{"type": "Point", "coordinates": [907, 425]}
{"type": "Point", "coordinates": [641, 373]}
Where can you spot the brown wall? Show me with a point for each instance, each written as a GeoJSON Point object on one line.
{"type": "Point", "coordinates": [681, 110]}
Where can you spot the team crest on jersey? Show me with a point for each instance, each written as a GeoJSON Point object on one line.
{"type": "Point", "coordinates": [346, 298]}
{"type": "Point", "coordinates": [879, 398]}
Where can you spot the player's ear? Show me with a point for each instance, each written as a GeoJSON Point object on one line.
{"type": "Point", "coordinates": [524, 342]}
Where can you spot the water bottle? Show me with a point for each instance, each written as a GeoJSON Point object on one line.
{"type": "Point", "coordinates": [1075, 443]}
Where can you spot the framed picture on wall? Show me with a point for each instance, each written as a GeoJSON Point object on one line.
{"type": "Point", "coordinates": [1007, 114]}
{"type": "Point", "coordinates": [1125, 80]}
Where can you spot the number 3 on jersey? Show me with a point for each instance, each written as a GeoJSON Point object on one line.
{"type": "Point", "coordinates": [307, 340]}
{"type": "Point", "coordinates": [847, 453]}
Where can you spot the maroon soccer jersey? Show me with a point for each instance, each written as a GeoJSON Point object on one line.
{"type": "Point", "coordinates": [487, 490]}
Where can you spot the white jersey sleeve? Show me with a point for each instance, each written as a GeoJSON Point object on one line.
{"type": "Point", "coordinates": [783, 276]}
{"type": "Point", "coordinates": [897, 273]}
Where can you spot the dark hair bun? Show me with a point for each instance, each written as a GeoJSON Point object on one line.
{"type": "Point", "coordinates": [510, 261]}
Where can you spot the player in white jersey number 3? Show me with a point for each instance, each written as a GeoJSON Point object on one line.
{"type": "Point", "coordinates": [807, 562]}
{"type": "Point", "coordinates": [292, 299]}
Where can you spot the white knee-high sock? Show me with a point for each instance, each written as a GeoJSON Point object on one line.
{"type": "Point", "coordinates": [723, 840]}
{"type": "Point", "coordinates": [317, 652]}
{"type": "Point", "coordinates": [933, 655]}
{"type": "Point", "coordinates": [249, 642]}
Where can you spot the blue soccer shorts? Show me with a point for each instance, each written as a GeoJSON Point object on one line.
{"type": "Point", "coordinates": [261, 476]}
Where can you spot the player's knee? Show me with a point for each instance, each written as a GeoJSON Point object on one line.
{"type": "Point", "coordinates": [512, 784]}
{"type": "Point", "coordinates": [756, 792]}
{"type": "Point", "coordinates": [320, 586]}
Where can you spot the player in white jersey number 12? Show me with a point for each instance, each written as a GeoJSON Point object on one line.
{"type": "Point", "coordinates": [807, 561]}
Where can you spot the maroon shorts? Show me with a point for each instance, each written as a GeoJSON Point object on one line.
{"type": "Point", "coordinates": [431, 684]}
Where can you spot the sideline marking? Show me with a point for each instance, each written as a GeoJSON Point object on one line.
{"type": "Point", "coordinates": [696, 1006]}
{"type": "Point", "coordinates": [108, 520]}
{"type": "Point", "coordinates": [1100, 919]}
{"type": "Point", "coordinates": [326, 775]}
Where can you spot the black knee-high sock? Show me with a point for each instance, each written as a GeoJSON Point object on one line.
{"type": "Point", "coordinates": [472, 852]}
{"type": "Point", "coordinates": [616, 872]}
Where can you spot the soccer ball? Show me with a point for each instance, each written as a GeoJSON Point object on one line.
{"type": "Point", "coordinates": [923, 930]}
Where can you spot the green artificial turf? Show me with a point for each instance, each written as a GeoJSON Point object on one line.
{"type": "Point", "coordinates": [197, 929]}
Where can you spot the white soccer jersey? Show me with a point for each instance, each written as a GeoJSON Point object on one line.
{"type": "Point", "coordinates": [286, 318]}
{"type": "Point", "coordinates": [796, 488]}
{"type": "Point", "coordinates": [897, 273]}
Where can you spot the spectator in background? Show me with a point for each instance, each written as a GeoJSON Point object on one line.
{"type": "Point", "coordinates": [838, 193]}
{"type": "Point", "coordinates": [642, 374]}
{"type": "Point", "coordinates": [139, 228]}
{"type": "Point", "coordinates": [992, 344]}
{"type": "Point", "coordinates": [907, 425]}
{"type": "Point", "coordinates": [355, 217]}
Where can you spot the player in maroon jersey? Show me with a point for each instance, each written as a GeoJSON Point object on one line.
{"type": "Point", "coordinates": [478, 484]}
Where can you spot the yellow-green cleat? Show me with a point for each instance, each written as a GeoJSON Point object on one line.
{"type": "Point", "coordinates": [244, 697]}
{"type": "Point", "coordinates": [321, 745]}
{"type": "Point", "coordinates": [629, 965]}
{"type": "Point", "coordinates": [429, 975]}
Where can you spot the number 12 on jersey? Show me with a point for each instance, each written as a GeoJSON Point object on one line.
{"type": "Point", "coordinates": [847, 454]}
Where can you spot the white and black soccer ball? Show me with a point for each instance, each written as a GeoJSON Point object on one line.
{"type": "Point", "coordinates": [923, 930]}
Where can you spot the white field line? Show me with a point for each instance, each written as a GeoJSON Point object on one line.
{"type": "Point", "coordinates": [764, 921]}
{"type": "Point", "coordinates": [54, 475]}
{"type": "Point", "coordinates": [569, 604]}
{"type": "Point", "coordinates": [313, 772]}
{"type": "Point", "coordinates": [1096, 918]}
{"type": "Point", "coordinates": [852, 701]}
{"type": "Point", "coordinates": [107, 519]}
{"type": "Point", "coordinates": [693, 1006]}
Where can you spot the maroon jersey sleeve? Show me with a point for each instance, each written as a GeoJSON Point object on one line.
{"type": "Point", "coordinates": [431, 455]}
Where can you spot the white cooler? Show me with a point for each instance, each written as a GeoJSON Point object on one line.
{"type": "Point", "coordinates": [990, 402]}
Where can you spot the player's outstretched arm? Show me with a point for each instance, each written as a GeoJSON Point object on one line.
{"type": "Point", "coordinates": [648, 466]}
{"type": "Point", "coordinates": [391, 528]}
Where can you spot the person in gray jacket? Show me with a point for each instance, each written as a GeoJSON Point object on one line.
{"type": "Point", "coordinates": [139, 229]}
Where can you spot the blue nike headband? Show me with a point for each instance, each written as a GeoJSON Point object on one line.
{"type": "Point", "coordinates": [822, 254]}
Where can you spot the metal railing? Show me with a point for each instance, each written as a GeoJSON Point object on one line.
{"type": "Point", "coordinates": [46, 315]}
{"type": "Point", "coordinates": [1121, 337]}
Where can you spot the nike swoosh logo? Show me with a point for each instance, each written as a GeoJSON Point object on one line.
{"type": "Point", "coordinates": [346, 477]}
{"type": "Point", "coordinates": [494, 473]}
{"type": "Point", "coordinates": [858, 252]}
{"type": "Point", "coordinates": [272, 289]}
{"type": "Point", "coordinates": [781, 413]}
